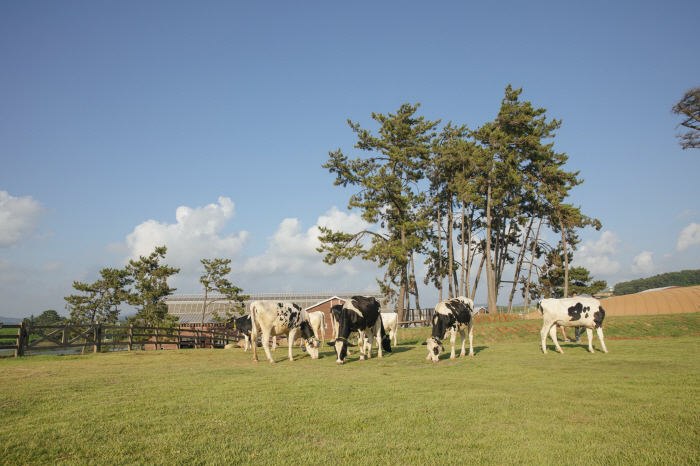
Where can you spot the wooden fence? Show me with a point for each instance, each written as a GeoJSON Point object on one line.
{"type": "Point", "coordinates": [98, 336]}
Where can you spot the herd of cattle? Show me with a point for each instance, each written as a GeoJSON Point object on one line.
{"type": "Point", "coordinates": [360, 315]}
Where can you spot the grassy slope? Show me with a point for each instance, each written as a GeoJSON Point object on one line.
{"type": "Point", "coordinates": [509, 404]}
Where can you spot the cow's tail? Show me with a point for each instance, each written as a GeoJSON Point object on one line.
{"type": "Point", "coordinates": [539, 307]}
{"type": "Point", "coordinates": [253, 331]}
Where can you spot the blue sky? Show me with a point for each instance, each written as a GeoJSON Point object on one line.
{"type": "Point", "coordinates": [204, 125]}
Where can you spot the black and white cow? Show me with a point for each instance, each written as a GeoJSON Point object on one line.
{"type": "Point", "coordinates": [571, 312]}
{"type": "Point", "coordinates": [335, 320]}
{"type": "Point", "coordinates": [360, 314]}
{"type": "Point", "coordinates": [244, 327]}
{"type": "Point", "coordinates": [273, 318]}
{"type": "Point", "coordinates": [454, 315]}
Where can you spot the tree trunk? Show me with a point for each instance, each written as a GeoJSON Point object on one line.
{"type": "Point", "coordinates": [470, 256]}
{"type": "Point", "coordinates": [478, 274]}
{"type": "Point", "coordinates": [415, 285]}
{"type": "Point", "coordinates": [519, 264]}
{"type": "Point", "coordinates": [532, 262]}
{"type": "Point", "coordinates": [402, 289]}
{"type": "Point", "coordinates": [439, 270]}
{"type": "Point", "coordinates": [566, 259]}
{"type": "Point", "coordinates": [490, 278]}
{"type": "Point", "coordinates": [450, 253]}
{"type": "Point", "coordinates": [462, 289]}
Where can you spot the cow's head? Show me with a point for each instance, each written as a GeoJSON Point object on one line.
{"type": "Point", "coordinates": [341, 350]}
{"type": "Point", "coordinates": [311, 346]}
{"type": "Point", "coordinates": [310, 342]}
{"type": "Point", "coordinates": [434, 348]}
{"type": "Point", "coordinates": [231, 323]}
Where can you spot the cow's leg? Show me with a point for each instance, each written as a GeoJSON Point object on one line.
{"type": "Point", "coordinates": [361, 344]}
{"type": "Point", "coordinates": [553, 334]}
{"type": "Point", "coordinates": [453, 340]}
{"type": "Point", "coordinates": [378, 337]}
{"type": "Point", "coordinates": [254, 341]}
{"type": "Point", "coordinates": [543, 333]}
{"type": "Point", "coordinates": [599, 330]}
{"type": "Point", "coordinates": [265, 340]}
{"type": "Point", "coordinates": [292, 338]}
{"type": "Point", "coordinates": [274, 343]}
{"type": "Point", "coordinates": [369, 337]}
{"type": "Point", "coordinates": [589, 333]}
{"type": "Point", "coordinates": [394, 335]}
{"type": "Point", "coordinates": [463, 335]}
{"type": "Point", "coordinates": [471, 337]}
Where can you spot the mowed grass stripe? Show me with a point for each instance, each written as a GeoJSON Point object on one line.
{"type": "Point", "coordinates": [510, 404]}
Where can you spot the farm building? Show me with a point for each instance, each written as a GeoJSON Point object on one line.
{"type": "Point", "coordinates": [188, 307]}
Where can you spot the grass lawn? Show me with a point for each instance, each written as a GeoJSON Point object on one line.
{"type": "Point", "coordinates": [510, 404]}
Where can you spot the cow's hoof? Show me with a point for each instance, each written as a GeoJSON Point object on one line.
{"type": "Point", "coordinates": [362, 358]}
{"type": "Point", "coordinates": [340, 363]}
{"type": "Point", "coordinates": [271, 361]}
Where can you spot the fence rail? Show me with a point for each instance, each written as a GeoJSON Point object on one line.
{"type": "Point", "coordinates": [97, 336]}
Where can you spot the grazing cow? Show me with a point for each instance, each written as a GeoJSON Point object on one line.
{"type": "Point", "coordinates": [317, 320]}
{"type": "Point", "coordinates": [453, 315]}
{"type": "Point", "coordinates": [244, 327]}
{"type": "Point", "coordinates": [571, 312]}
{"type": "Point", "coordinates": [335, 319]}
{"type": "Point", "coordinates": [273, 318]}
{"type": "Point", "coordinates": [360, 314]}
{"type": "Point", "coordinates": [390, 321]}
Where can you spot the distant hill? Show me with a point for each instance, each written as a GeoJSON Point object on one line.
{"type": "Point", "coordinates": [682, 278]}
{"type": "Point", "coordinates": [10, 320]}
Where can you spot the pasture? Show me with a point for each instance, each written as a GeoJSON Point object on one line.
{"type": "Point", "coordinates": [510, 404]}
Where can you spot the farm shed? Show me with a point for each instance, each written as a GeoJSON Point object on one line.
{"type": "Point", "coordinates": [325, 306]}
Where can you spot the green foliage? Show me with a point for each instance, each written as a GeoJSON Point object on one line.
{"type": "Point", "coordinates": [49, 317]}
{"type": "Point", "coordinates": [387, 195]}
{"type": "Point", "coordinates": [689, 108]}
{"type": "Point", "coordinates": [214, 280]}
{"type": "Point", "coordinates": [682, 278]}
{"type": "Point", "coordinates": [552, 278]}
{"type": "Point", "coordinates": [100, 301]}
{"type": "Point", "coordinates": [150, 280]}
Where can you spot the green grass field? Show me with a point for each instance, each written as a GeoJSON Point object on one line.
{"type": "Point", "coordinates": [510, 404]}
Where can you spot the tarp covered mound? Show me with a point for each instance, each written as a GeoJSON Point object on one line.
{"type": "Point", "coordinates": [668, 301]}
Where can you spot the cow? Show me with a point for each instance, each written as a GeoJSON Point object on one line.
{"type": "Point", "coordinates": [360, 314]}
{"type": "Point", "coordinates": [571, 312]}
{"type": "Point", "coordinates": [390, 321]}
{"type": "Point", "coordinates": [244, 327]}
{"type": "Point", "coordinates": [453, 315]}
{"type": "Point", "coordinates": [273, 318]}
{"type": "Point", "coordinates": [317, 320]}
{"type": "Point", "coordinates": [335, 319]}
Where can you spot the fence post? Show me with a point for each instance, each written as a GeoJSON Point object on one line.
{"type": "Point", "coordinates": [64, 337]}
{"type": "Point", "coordinates": [131, 336]}
{"type": "Point", "coordinates": [98, 337]}
{"type": "Point", "coordinates": [19, 352]}
{"type": "Point", "coordinates": [179, 338]}
{"type": "Point", "coordinates": [155, 347]}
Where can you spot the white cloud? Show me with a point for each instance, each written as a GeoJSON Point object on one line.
{"type": "Point", "coordinates": [595, 255]}
{"type": "Point", "coordinates": [686, 213]}
{"type": "Point", "coordinates": [197, 234]}
{"type": "Point", "coordinates": [642, 263]}
{"type": "Point", "coordinates": [19, 217]}
{"type": "Point", "coordinates": [293, 251]}
{"type": "Point", "coordinates": [689, 236]}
